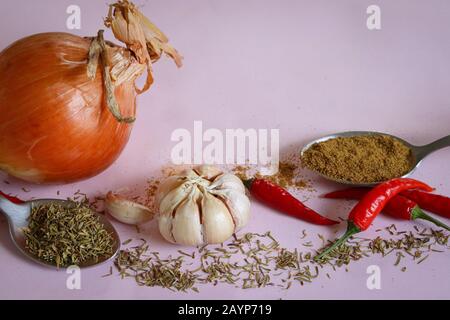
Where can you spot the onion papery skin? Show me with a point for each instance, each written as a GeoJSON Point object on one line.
{"type": "Point", "coordinates": [55, 126]}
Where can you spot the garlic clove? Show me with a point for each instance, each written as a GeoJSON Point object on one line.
{"type": "Point", "coordinates": [186, 224]}
{"type": "Point", "coordinates": [228, 181]}
{"type": "Point", "coordinates": [174, 198]}
{"type": "Point", "coordinates": [127, 211]}
{"type": "Point", "coordinates": [238, 205]}
{"type": "Point", "coordinates": [218, 225]}
{"type": "Point", "coordinates": [165, 226]}
{"type": "Point", "coordinates": [189, 174]}
{"type": "Point", "coordinates": [166, 186]}
{"type": "Point", "coordinates": [208, 171]}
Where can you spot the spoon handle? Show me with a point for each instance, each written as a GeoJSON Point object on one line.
{"type": "Point", "coordinates": [11, 198]}
{"type": "Point", "coordinates": [425, 150]}
{"type": "Point", "coordinates": [6, 206]}
{"type": "Point", "coordinates": [16, 214]}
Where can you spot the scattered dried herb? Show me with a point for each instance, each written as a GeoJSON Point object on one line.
{"type": "Point", "coordinates": [110, 273]}
{"type": "Point", "coordinates": [405, 244]}
{"type": "Point", "coordinates": [127, 242]}
{"type": "Point", "coordinates": [255, 260]}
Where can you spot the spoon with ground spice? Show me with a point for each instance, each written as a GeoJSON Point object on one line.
{"type": "Point", "coordinates": [365, 158]}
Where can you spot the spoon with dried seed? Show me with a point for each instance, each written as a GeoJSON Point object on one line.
{"type": "Point", "coordinates": [18, 217]}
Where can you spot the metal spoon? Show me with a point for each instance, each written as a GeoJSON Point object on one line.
{"type": "Point", "coordinates": [17, 216]}
{"type": "Point", "coordinates": [418, 152]}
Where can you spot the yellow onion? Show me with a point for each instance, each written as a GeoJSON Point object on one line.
{"type": "Point", "coordinates": [67, 103]}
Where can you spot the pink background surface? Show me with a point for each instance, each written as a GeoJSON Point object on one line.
{"type": "Point", "coordinates": [309, 68]}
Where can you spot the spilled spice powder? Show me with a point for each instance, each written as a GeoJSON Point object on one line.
{"type": "Point", "coordinates": [241, 172]}
{"type": "Point", "coordinates": [152, 188]}
{"type": "Point", "coordinates": [360, 159]}
{"type": "Point", "coordinates": [286, 177]}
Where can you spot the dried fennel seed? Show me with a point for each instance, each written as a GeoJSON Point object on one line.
{"type": "Point", "coordinates": [407, 244]}
{"type": "Point", "coordinates": [66, 236]}
{"type": "Point", "coordinates": [257, 260]}
{"type": "Point", "coordinates": [136, 262]}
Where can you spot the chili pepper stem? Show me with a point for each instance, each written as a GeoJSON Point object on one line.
{"type": "Point", "coordinates": [418, 213]}
{"type": "Point", "coordinates": [351, 230]}
{"type": "Point", "coordinates": [248, 183]}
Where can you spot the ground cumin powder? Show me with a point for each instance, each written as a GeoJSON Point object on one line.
{"type": "Point", "coordinates": [288, 175]}
{"type": "Point", "coordinates": [360, 159]}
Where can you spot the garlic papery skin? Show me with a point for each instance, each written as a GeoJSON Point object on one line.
{"type": "Point", "coordinates": [201, 206]}
{"type": "Point", "coordinates": [207, 171]}
{"type": "Point", "coordinates": [126, 211]}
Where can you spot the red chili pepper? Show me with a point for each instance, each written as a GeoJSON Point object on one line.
{"type": "Point", "coordinates": [367, 209]}
{"type": "Point", "coordinates": [349, 193]}
{"type": "Point", "coordinates": [432, 202]}
{"type": "Point", "coordinates": [398, 207]}
{"type": "Point", "coordinates": [11, 198]}
{"type": "Point", "coordinates": [281, 200]}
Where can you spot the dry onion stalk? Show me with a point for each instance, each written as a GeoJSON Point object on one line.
{"type": "Point", "coordinates": [67, 103]}
{"type": "Point", "coordinates": [142, 37]}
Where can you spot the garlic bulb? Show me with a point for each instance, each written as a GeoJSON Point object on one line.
{"type": "Point", "coordinates": [201, 205]}
{"type": "Point", "coordinates": [127, 211]}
